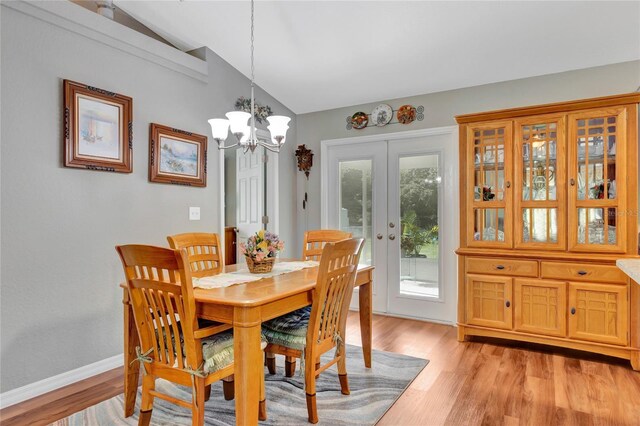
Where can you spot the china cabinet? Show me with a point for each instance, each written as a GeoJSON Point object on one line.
{"type": "Point", "coordinates": [549, 201]}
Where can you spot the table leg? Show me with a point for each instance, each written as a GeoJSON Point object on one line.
{"type": "Point", "coordinates": [248, 364]}
{"type": "Point", "coordinates": [131, 371]}
{"type": "Point", "coordinates": [365, 299]}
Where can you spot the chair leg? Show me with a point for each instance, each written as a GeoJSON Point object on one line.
{"type": "Point", "coordinates": [342, 373]}
{"type": "Point", "coordinates": [262, 405]}
{"type": "Point", "coordinates": [198, 402]}
{"type": "Point", "coordinates": [207, 392]}
{"type": "Point", "coordinates": [228, 388]}
{"type": "Point", "coordinates": [146, 405]}
{"type": "Point", "coordinates": [310, 389]}
{"type": "Point", "coordinates": [344, 384]}
{"type": "Point", "coordinates": [289, 366]}
{"type": "Point", "coordinates": [312, 408]}
{"type": "Point", "coordinates": [270, 361]}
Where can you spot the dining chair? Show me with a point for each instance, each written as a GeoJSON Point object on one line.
{"type": "Point", "coordinates": [172, 344]}
{"type": "Point", "coordinates": [315, 240]}
{"type": "Point", "coordinates": [203, 251]}
{"type": "Point", "coordinates": [205, 259]}
{"type": "Point", "coordinates": [309, 333]}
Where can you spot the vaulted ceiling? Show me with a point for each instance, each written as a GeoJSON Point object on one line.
{"type": "Point", "coordinates": [317, 55]}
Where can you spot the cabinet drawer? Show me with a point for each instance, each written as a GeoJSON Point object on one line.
{"type": "Point", "coordinates": [487, 265]}
{"type": "Point", "coordinates": [583, 272]}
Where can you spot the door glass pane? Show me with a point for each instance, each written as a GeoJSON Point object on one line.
{"type": "Point", "coordinates": [596, 139]}
{"type": "Point", "coordinates": [597, 226]}
{"type": "Point", "coordinates": [488, 225]}
{"type": "Point", "coordinates": [489, 165]}
{"type": "Point", "coordinates": [419, 241]}
{"type": "Point", "coordinates": [355, 203]}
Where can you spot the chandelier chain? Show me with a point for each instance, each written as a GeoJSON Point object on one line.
{"type": "Point", "coordinates": [252, 66]}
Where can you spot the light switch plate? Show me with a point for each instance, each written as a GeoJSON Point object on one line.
{"type": "Point", "coordinates": [194, 213]}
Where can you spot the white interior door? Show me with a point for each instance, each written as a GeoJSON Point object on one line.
{"type": "Point", "coordinates": [354, 205]}
{"type": "Point", "coordinates": [401, 195]}
{"type": "Point", "coordinates": [249, 194]}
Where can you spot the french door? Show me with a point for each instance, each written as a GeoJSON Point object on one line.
{"type": "Point", "coordinates": [400, 195]}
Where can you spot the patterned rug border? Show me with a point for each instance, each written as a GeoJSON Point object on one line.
{"type": "Point", "coordinates": [393, 369]}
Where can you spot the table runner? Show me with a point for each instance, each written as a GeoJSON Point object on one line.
{"type": "Point", "coordinates": [244, 276]}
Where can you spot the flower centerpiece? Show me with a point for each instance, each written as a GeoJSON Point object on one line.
{"type": "Point", "coordinates": [260, 251]}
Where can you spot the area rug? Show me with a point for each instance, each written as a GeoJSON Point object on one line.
{"type": "Point", "coordinates": [373, 391]}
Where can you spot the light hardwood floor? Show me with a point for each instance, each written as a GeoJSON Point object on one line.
{"type": "Point", "coordinates": [484, 382]}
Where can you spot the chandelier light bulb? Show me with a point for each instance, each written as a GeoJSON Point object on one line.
{"type": "Point", "coordinates": [238, 122]}
{"type": "Point", "coordinates": [219, 129]}
{"type": "Point", "coordinates": [278, 126]}
{"type": "Point", "coordinates": [246, 134]}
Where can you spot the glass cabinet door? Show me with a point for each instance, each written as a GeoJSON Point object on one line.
{"type": "Point", "coordinates": [540, 183]}
{"type": "Point", "coordinates": [488, 183]}
{"type": "Point", "coordinates": [597, 192]}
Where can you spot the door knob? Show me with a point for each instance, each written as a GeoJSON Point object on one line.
{"type": "Point", "coordinates": [572, 182]}
{"type": "Point", "coordinates": [379, 236]}
{"type": "Point", "coordinates": [392, 236]}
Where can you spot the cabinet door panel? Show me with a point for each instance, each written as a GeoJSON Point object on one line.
{"type": "Point", "coordinates": [598, 312]}
{"type": "Point", "coordinates": [540, 183]}
{"type": "Point", "coordinates": [489, 301]}
{"type": "Point", "coordinates": [540, 307]}
{"type": "Point", "coordinates": [489, 188]}
{"type": "Point", "coordinates": [597, 180]}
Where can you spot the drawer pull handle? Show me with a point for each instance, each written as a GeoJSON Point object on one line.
{"type": "Point", "coordinates": [500, 267]}
{"type": "Point", "coordinates": [508, 304]}
{"type": "Point", "coordinates": [582, 272]}
{"type": "Point", "coordinates": [573, 311]}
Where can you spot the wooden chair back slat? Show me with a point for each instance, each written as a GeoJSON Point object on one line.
{"type": "Point", "coordinates": [203, 251]}
{"type": "Point", "coordinates": [315, 240]}
{"type": "Point", "coordinates": [169, 303]}
{"type": "Point", "coordinates": [159, 283]}
{"type": "Point", "coordinates": [332, 295]}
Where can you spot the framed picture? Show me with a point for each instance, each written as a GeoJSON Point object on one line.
{"type": "Point", "coordinates": [177, 157]}
{"type": "Point", "coordinates": [97, 129]}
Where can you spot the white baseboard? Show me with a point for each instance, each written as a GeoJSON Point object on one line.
{"type": "Point", "coordinates": [40, 387]}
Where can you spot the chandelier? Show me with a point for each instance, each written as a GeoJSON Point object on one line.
{"type": "Point", "coordinates": [243, 124]}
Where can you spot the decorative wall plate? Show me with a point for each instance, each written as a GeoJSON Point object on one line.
{"type": "Point", "coordinates": [381, 115]}
{"type": "Point", "coordinates": [406, 114]}
{"type": "Point", "coordinates": [359, 120]}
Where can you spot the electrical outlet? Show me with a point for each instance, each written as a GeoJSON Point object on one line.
{"type": "Point", "coordinates": [194, 213]}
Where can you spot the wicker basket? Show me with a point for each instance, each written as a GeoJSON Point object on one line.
{"type": "Point", "coordinates": [261, 267]}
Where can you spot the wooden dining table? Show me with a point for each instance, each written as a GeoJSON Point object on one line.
{"type": "Point", "coordinates": [245, 307]}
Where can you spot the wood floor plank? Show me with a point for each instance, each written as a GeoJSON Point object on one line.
{"type": "Point", "coordinates": [485, 381]}
{"type": "Point", "coordinates": [505, 401]}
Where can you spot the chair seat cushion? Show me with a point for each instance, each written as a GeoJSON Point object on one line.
{"type": "Point", "coordinates": [217, 350]}
{"type": "Point", "coordinates": [288, 330]}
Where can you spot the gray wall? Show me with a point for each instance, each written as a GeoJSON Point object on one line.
{"type": "Point", "coordinates": [61, 306]}
{"type": "Point", "coordinates": [440, 109]}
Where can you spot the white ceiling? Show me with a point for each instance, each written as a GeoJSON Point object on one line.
{"type": "Point", "coordinates": [317, 55]}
